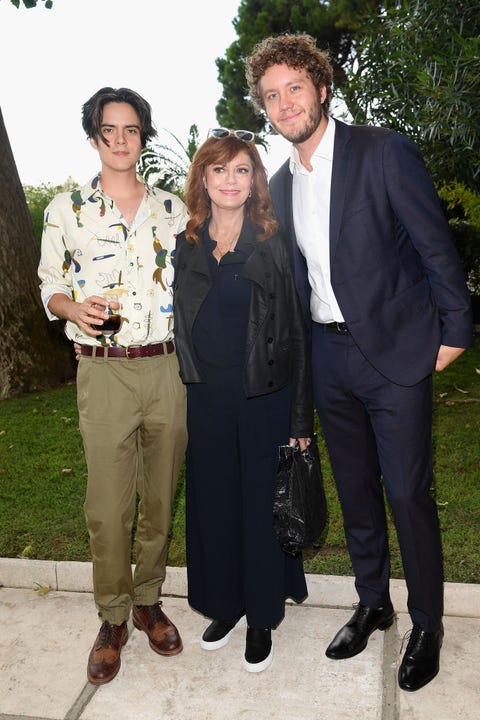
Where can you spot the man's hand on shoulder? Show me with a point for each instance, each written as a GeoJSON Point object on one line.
{"type": "Point", "coordinates": [447, 355]}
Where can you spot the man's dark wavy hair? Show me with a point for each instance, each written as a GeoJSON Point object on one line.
{"type": "Point", "coordinates": [92, 112]}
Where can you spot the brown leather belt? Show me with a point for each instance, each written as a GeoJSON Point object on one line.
{"type": "Point", "coordinates": [131, 352]}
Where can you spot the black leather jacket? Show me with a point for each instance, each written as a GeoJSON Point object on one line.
{"type": "Point", "coordinates": [277, 345]}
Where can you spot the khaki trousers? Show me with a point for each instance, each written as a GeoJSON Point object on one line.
{"type": "Point", "coordinates": [133, 424]}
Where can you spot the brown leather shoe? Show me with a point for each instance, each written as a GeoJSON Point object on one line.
{"type": "Point", "coordinates": [104, 658]}
{"type": "Point", "coordinates": [162, 634]}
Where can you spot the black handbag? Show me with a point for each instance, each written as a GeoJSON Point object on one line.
{"type": "Point", "coordinates": [300, 506]}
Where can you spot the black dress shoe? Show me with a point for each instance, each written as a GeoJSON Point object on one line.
{"type": "Point", "coordinates": [421, 661]}
{"type": "Point", "coordinates": [353, 637]}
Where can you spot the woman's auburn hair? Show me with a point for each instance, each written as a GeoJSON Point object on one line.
{"type": "Point", "coordinates": [259, 206]}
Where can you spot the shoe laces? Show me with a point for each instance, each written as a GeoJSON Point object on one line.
{"type": "Point", "coordinates": [156, 610]}
{"type": "Point", "coordinates": [413, 637]}
{"type": "Point", "coordinates": [153, 613]}
{"type": "Point", "coordinates": [106, 634]}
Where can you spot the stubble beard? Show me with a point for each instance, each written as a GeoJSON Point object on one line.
{"type": "Point", "coordinates": [301, 135]}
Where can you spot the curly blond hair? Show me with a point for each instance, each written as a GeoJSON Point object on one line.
{"type": "Point", "coordinates": [296, 51]}
{"type": "Point", "coordinates": [259, 206]}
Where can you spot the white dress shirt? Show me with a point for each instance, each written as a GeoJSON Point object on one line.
{"type": "Point", "coordinates": [311, 216]}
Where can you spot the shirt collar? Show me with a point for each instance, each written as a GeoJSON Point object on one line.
{"type": "Point", "coordinates": [92, 196]}
{"type": "Point", "coordinates": [323, 151]}
{"type": "Point", "coordinates": [94, 189]}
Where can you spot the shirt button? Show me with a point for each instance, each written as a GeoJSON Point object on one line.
{"type": "Point", "coordinates": [270, 340]}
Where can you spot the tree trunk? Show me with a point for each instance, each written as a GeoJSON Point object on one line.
{"type": "Point", "coordinates": [33, 351]}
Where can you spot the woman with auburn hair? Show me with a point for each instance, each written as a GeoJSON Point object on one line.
{"type": "Point", "coordinates": [242, 349]}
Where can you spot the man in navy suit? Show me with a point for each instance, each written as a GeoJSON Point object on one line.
{"type": "Point", "coordinates": [384, 293]}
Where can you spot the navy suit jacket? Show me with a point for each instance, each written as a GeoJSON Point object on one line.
{"type": "Point", "coordinates": [395, 271]}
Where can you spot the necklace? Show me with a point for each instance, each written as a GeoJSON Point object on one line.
{"type": "Point", "coordinates": [221, 251]}
{"type": "Point", "coordinates": [229, 246]}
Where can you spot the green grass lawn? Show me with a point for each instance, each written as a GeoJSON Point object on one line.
{"type": "Point", "coordinates": [43, 476]}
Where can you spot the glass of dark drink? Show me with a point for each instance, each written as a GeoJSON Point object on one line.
{"type": "Point", "coordinates": [112, 323]}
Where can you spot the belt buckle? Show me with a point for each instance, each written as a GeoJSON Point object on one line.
{"type": "Point", "coordinates": [132, 348]}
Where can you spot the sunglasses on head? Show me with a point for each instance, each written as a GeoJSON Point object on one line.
{"type": "Point", "coordinates": [219, 133]}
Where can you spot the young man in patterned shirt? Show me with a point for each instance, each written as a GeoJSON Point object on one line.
{"type": "Point", "coordinates": [107, 249]}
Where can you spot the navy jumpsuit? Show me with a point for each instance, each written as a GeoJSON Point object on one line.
{"type": "Point", "coordinates": [234, 561]}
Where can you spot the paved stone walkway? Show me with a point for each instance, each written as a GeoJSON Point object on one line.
{"type": "Point", "coordinates": [46, 639]}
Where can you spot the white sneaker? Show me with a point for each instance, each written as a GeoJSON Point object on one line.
{"type": "Point", "coordinates": [258, 650]}
{"type": "Point", "coordinates": [218, 633]}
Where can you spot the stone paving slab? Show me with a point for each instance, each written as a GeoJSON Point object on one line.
{"type": "Point", "coordinates": [45, 641]}
{"type": "Point", "coordinates": [300, 683]}
{"type": "Point", "coordinates": [455, 692]}
{"type": "Point", "coordinates": [44, 645]}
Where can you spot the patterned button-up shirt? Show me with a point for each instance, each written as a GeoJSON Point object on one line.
{"type": "Point", "coordinates": [88, 249]}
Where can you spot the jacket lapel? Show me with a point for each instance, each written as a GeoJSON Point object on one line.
{"type": "Point", "coordinates": [198, 259]}
{"type": "Point", "coordinates": [201, 280]}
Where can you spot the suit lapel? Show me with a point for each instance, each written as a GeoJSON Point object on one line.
{"type": "Point", "coordinates": [340, 169]}
{"type": "Point", "coordinates": [285, 215]}
{"type": "Point", "coordinates": [281, 189]}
